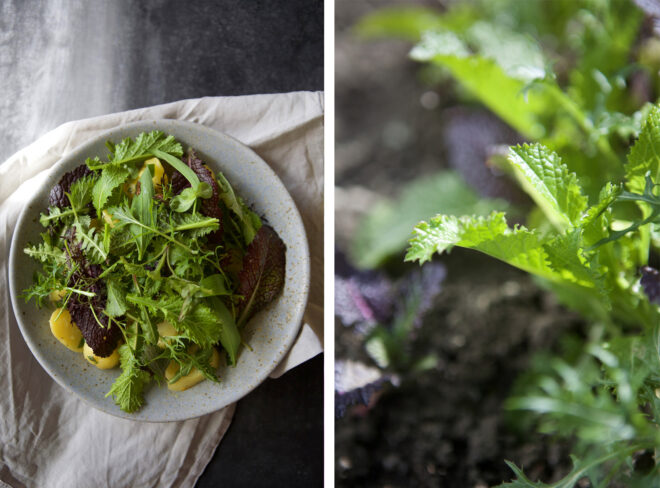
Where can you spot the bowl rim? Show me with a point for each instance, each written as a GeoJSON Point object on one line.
{"type": "Point", "coordinates": [296, 318]}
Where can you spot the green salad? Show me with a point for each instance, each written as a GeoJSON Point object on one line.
{"type": "Point", "coordinates": [153, 262]}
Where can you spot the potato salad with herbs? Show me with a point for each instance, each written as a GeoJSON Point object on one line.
{"type": "Point", "coordinates": [154, 264]}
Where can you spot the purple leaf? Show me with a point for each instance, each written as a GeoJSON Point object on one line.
{"type": "Point", "coordinates": [57, 196]}
{"type": "Point", "coordinates": [357, 383]}
{"type": "Point", "coordinates": [362, 298]}
{"type": "Point", "coordinates": [262, 277]}
{"type": "Point", "coordinates": [651, 283]}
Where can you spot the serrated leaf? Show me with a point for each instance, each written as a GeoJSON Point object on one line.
{"type": "Point", "coordinates": [81, 192]}
{"type": "Point", "coordinates": [385, 230]}
{"type": "Point", "coordinates": [45, 252]}
{"type": "Point", "coordinates": [111, 178]}
{"type": "Point", "coordinates": [595, 221]}
{"type": "Point", "coordinates": [145, 143]}
{"type": "Point", "coordinates": [195, 225]}
{"type": "Point", "coordinates": [644, 157]}
{"type": "Point", "coordinates": [548, 181]}
{"type": "Point", "coordinates": [91, 242]}
{"type": "Point", "coordinates": [128, 387]}
{"type": "Point", "coordinates": [491, 235]}
{"type": "Point", "coordinates": [566, 258]}
{"type": "Point", "coordinates": [116, 305]}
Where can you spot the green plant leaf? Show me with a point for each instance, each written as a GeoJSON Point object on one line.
{"type": "Point", "coordinates": [128, 387]}
{"type": "Point", "coordinates": [116, 305]}
{"type": "Point", "coordinates": [110, 179]}
{"type": "Point", "coordinates": [142, 208]}
{"type": "Point", "coordinates": [644, 156]}
{"type": "Point", "coordinates": [402, 22]}
{"type": "Point", "coordinates": [502, 93]}
{"type": "Point", "coordinates": [548, 181]}
{"type": "Point", "coordinates": [230, 337]}
{"type": "Point", "coordinates": [385, 230]}
{"type": "Point", "coordinates": [491, 235]}
{"type": "Point", "coordinates": [249, 221]}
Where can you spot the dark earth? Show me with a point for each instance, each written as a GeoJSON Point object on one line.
{"type": "Point", "coordinates": [446, 426]}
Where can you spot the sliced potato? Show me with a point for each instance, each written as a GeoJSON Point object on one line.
{"type": "Point", "coordinates": [110, 362]}
{"type": "Point", "coordinates": [107, 217]}
{"type": "Point", "coordinates": [192, 378]}
{"type": "Point", "coordinates": [165, 329]}
{"type": "Point", "coordinates": [159, 178]}
{"type": "Point", "coordinates": [57, 295]}
{"type": "Point", "coordinates": [65, 330]}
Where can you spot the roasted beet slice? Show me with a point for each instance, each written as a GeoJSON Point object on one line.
{"type": "Point", "coordinates": [102, 339]}
{"type": "Point", "coordinates": [262, 277]}
{"type": "Point", "coordinates": [210, 206]}
{"type": "Point", "coordinates": [57, 197]}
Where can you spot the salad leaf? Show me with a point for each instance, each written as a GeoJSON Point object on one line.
{"type": "Point", "coordinates": [128, 387]}
{"type": "Point", "coordinates": [250, 222]}
{"type": "Point", "coordinates": [143, 147]}
{"type": "Point", "coordinates": [110, 179]}
{"type": "Point", "coordinates": [116, 305]}
{"type": "Point", "coordinates": [262, 276]}
{"type": "Point", "coordinates": [230, 338]}
{"type": "Point", "coordinates": [143, 209]}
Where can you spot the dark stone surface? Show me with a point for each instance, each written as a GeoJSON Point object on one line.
{"type": "Point", "coordinates": [276, 436]}
{"type": "Point", "coordinates": [66, 61]}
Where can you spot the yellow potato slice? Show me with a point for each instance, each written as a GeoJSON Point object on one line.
{"type": "Point", "coordinates": [65, 330]}
{"type": "Point", "coordinates": [192, 378]}
{"type": "Point", "coordinates": [110, 362]}
{"type": "Point", "coordinates": [107, 217]}
{"type": "Point", "coordinates": [165, 329]}
{"type": "Point", "coordinates": [159, 178]}
{"type": "Point", "coordinates": [57, 295]}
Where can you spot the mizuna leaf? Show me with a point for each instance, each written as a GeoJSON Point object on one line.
{"type": "Point", "coordinates": [547, 180]}
{"type": "Point", "coordinates": [262, 277]}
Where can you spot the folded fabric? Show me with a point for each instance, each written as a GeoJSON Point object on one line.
{"type": "Point", "coordinates": [49, 438]}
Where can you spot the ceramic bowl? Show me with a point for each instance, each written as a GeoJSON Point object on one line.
{"type": "Point", "coordinates": [269, 334]}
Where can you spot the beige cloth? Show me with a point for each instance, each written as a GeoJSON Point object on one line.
{"type": "Point", "coordinates": [49, 438]}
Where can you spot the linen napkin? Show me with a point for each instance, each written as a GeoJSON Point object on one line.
{"type": "Point", "coordinates": [49, 438]}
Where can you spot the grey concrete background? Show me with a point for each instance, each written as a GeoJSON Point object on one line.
{"type": "Point", "coordinates": [63, 60]}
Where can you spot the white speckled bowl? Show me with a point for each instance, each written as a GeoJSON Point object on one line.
{"type": "Point", "coordinates": [270, 333]}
